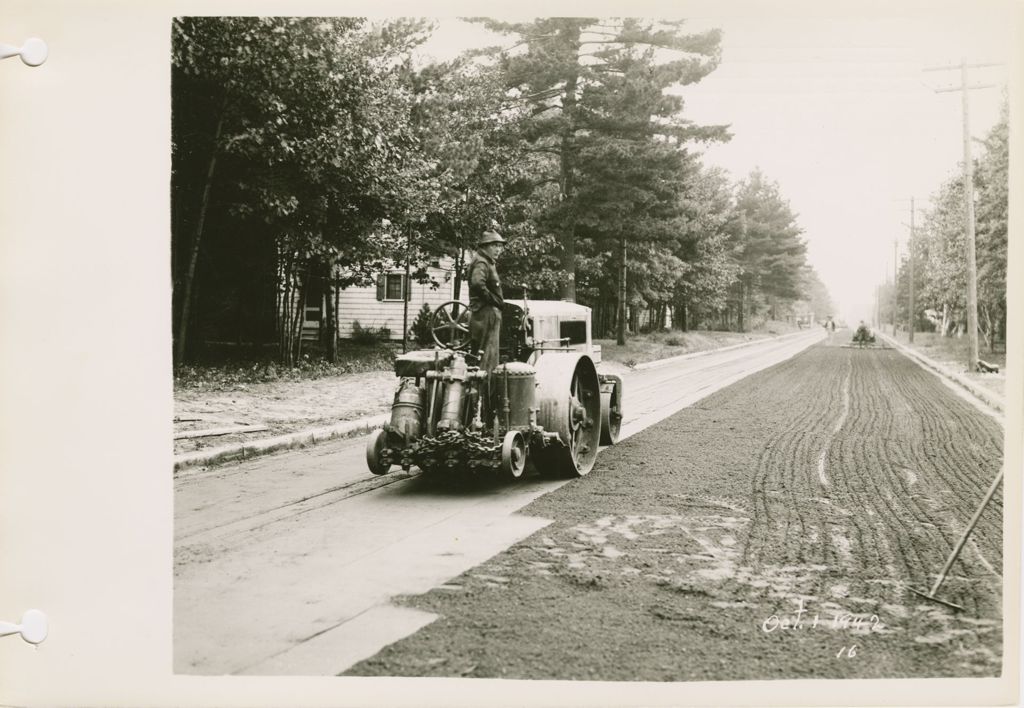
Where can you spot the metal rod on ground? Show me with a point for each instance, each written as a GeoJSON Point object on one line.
{"type": "Point", "coordinates": [960, 545]}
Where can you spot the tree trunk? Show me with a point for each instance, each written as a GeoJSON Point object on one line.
{"type": "Point", "coordinates": [186, 300]}
{"type": "Point", "coordinates": [684, 325]}
{"type": "Point", "coordinates": [620, 335]}
{"type": "Point", "coordinates": [329, 321]}
{"type": "Point", "coordinates": [284, 311]}
{"type": "Point", "coordinates": [336, 321]}
{"type": "Point", "coordinates": [457, 288]}
{"type": "Point", "coordinates": [740, 319]}
{"type": "Point", "coordinates": [567, 237]}
{"type": "Point", "coordinates": [300, 317]}
{"type": "Point", "coordinates": [405, 308]}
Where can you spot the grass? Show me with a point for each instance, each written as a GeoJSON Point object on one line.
{"type": "Point", "coordinates": [952, 350]}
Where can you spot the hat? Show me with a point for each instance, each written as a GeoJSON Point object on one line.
{"type": "Point", "coordinates": [490, 237]}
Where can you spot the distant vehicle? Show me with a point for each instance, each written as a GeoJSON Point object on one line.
{"type": "Point", "coordinates": [863, 336]}
{"type": "Point", "coordinates": [545, 403]}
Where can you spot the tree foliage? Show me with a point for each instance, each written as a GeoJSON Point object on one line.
{"type": "Point", "coordinates": [317, 151]}
{"type": "Point", "coordinates": [940, 270]}
{"type": "Point", "coordinates": [592, 89]}
{"type": "Point", "coordinates": [766, 244]}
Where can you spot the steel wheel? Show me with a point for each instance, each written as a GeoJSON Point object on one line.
{"type": "Point", "coordinates": [513, 455]}
{"type": "Point", "coordinates": [570, 405]}
{"type": "Point", "coordinates": [376, 446]}
{"type": "Point", "coordinates": [449, 325]}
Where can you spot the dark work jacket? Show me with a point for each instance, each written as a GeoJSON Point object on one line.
{"type": "Point", "coordinates": [484, 285]}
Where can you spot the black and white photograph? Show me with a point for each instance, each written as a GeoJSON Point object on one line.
{"type": "Point", "coordinates": [483, 355]}
{"type": "Point", "coordinates": [589, 348]}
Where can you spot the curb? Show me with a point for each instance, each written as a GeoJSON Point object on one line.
{"type": "Point", "coordinates": [993, 400]}
{"type": "Point", "coordinates": [693, 355]}
{"type": "Point", "coordinates": [242, 451]}
{"type": "Point", "coordinates": [352, 428]}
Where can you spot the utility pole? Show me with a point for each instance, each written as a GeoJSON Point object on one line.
{"type": "Point", "coordinates": [972, 269]}
{"type": "Point", "coordinates": [878, 306]}
{"type": "Point", "coordinates": [911, 321]}
{"type": "Point", "coordinates": [895, 280]}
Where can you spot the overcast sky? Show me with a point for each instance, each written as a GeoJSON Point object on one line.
{"type": "Point", "coordinates": [831, 101]}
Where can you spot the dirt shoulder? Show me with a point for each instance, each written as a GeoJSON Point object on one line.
{"type": "Point", "coordinates": [771, 531]}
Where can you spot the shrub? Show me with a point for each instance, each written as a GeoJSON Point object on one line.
{"type": "Point", "coordinates": [369, 335]}
{"type": "Point", "coordinates": [420, 330]}
{"type": "Point", "coordinates": [674, 341]}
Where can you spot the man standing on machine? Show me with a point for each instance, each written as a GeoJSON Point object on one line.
{"type": "Point", "coordinates": [485, 299]}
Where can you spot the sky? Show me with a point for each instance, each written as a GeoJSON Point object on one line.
{"type": "Point", "coordinates": [831, 101]}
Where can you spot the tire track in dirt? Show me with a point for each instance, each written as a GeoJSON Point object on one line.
{"type": "Point", "coordinates": [859, 487]}
{"type": "Point", "coordinates": [775, 477]}
{"type": "Point", "coordinates": [868, 429]}
{"type": "Point", "coordinates": [953, 465]}
{"type": "Point", "coordinates": [905, 504]}
{"type": "Point", "coordinates": [890, 511]}
{"type": "Point", "coordinates": [839, 423]}
{"type": "Point", "coordinates": [953, 468]}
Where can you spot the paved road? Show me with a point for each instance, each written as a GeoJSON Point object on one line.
{"type": "Point", "coordinates": [286, 564]}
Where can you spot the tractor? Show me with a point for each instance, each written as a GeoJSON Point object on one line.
{"type": "Point", "coordinates": [544, 406]}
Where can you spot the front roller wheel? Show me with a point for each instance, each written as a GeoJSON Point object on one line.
{"type": "Point", "coordinates": [569, 401]}
{"type": "Point", "coordinates": [513, 455]}
{"type": "Point", "coordinates": [376, 446]}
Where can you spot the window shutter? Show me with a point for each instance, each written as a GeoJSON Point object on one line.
{"type": "Point", "coordinates": [380, 286]}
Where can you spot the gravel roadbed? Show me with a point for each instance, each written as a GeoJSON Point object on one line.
{"type": "Point", "coordinates": [774, 530]}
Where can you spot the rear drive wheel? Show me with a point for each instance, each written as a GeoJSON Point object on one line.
{"type": "Point", "coordinates": [611, 410]}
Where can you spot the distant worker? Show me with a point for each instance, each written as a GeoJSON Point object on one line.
{"type": "Point", "coordinates": [485, 299]}
{"type": "Point", "coordinates": [830, 325]}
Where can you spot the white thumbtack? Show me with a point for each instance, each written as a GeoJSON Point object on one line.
{"type": "Point", "coordinates": [33, 52]}
{"type": "Point", "coordinates": [32, 629]}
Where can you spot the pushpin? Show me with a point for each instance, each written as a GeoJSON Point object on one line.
{"type": "Point", "coordinates": [32, 629]}
{"type": "Point", "coordinates": [33, 52]}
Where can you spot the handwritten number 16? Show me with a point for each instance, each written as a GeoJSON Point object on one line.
{"type": "Point", "coordinates": [850, 651]}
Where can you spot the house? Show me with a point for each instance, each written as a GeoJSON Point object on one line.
{"type": "Point", "coordinates": [383, 305]}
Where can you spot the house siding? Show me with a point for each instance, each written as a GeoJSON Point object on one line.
{"type": "Point", "coordinates": [358, 303]}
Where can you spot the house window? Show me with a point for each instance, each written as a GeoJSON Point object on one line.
{"type": "Point", "coordinates": [394, 286]}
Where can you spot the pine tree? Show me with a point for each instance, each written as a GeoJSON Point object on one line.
{"type": "Point", "coordinates": [584, 80]}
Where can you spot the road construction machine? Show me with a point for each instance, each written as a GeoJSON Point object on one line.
{"type": "Point", "coordinates": [544, 407]}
